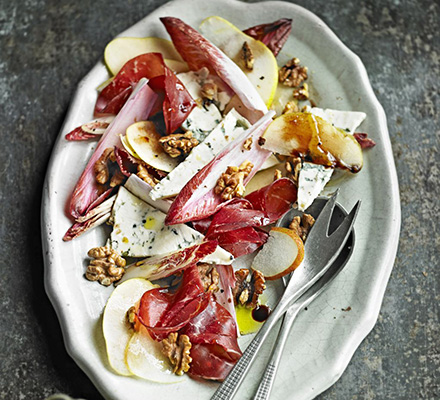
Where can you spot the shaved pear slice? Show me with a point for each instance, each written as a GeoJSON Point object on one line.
{"type": "Point", "coordinates": [145, 359]}
{"type": "Point", "coordinates": [128, 147]}
{"type": "Point", "coordinates": [176, 66]}
{"type": "Point", "coordinates": [122, 49]}
{"type": "Point", "coordinates": [115, 327]}
{"type": "Point", "coordinates": [307, 135]}
{"type": "Point", "coordinates": [230, 39]}
{"type": "Point", "coordinates": [282, 254]}
{"type": "Point", "coordinates": [263, 178]}
{"type": "Point", "coordinates": [144, 140]}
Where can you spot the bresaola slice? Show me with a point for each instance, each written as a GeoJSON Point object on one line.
{"type": "Point", "coordinates": [197, 199]}
{"type": "Point", "coordinates": [213, 335]}
{"type": "Point", "coordinates": [273, 35]}
{"type": "Point", "coordinates": [175, 100]}
{"type": "Point", "coordinates": [240, 242]}
{"type": "Point", "coordinates": [137, 108]}
{"type": "Point", "coordinates": [191, 311]}
{"type": "Point", "coordinates": [198, 52]}
{"type": "Point", "coordinates": [275, 199]}
{"type": "Point", "coordinates": [162, 311]}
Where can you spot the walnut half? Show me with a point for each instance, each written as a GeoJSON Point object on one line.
{"type": "Point", "coordinates": [209, 276]}
{"type": "Point", "coordinates": [177, 144]}
{"type": "Point", "coordinates": [248, 56]}
{"type": "Point", "coordinates": [177, 348]}
{"type": "Point", "coordinates": [292, 74]}
{"type": "Point", "coordinates": [231, 182]}
{"type": "Point", "coordinates": [248, 287]}
{"type": "Point", "coordinates": [302, 225]}
{"type": "Point", "coordinates": [107, 266]}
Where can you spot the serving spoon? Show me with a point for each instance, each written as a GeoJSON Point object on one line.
{"type": "Point", "coordinates": [267, 381]}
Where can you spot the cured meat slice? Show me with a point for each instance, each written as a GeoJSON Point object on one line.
{"type": "Point", "coordinates": [197, 199]}
{"type": "Point", "coordinates": [230, 218]}
{"type": "Point", "coordinates": [162, 311]}
{"type": "Point", "coordinates": [240, 241]}
{"type": "Point", "coordinates": [273, 35]}
{"type": "Point", "coordinates": [213, 334]}
{"type": "Point", "coordinates": [226, 283]}
{"type": "Point", "coordinates": [275, 199]}
{"type": "Point", "coordinates": [176, 102]}
{"type": "Point", "coordinates": [207, 364]}
{"type": "Point", "coordinates": [198, 52]}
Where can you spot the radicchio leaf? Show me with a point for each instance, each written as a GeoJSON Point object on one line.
{"type": "Point", "coordinates": [364, 141]}
{"type": "Point", "coordinates": [273, 35]}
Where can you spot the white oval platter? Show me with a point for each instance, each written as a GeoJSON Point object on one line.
{"type": "Point", "coordinates": [323, 338]}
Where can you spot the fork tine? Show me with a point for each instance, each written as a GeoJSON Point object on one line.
{"type": "Point", "coordinates": [343, 230]}
{"type": "Point", "coordinates": [322, 223]}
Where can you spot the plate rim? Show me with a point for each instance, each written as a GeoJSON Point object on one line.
{"type": "Point", "coordinates": [369, 316]}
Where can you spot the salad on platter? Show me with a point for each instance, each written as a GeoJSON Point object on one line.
{"type": "Point", "coordinates": [203, 143]}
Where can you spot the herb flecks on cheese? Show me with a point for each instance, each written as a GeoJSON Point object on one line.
{"type": "Point", "coordinates": [139, 231]}
{"type": "Point", "coordinates": [311, 181]}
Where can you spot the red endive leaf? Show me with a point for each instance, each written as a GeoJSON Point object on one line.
{"type": "Point", "coordinates": [197, 199]}
{"type": "Point", "coordinates": [273, 35]}
{"type": "Point", "coordinates": [198, 52]}
{"type": "Point", "coordinates": [137, 108]}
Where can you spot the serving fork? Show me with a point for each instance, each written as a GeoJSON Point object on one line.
{"type": "Point", "coordinates": [267, 381]}
{"type": "Point", "coordinates": [320, 251]}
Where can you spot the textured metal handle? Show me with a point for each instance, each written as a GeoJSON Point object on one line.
{"type": "Point", "coordinates": [266, 383]}
{"type": "Point", "coordinates": [230, 385]}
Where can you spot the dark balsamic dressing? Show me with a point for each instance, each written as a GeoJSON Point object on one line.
{"type": "Point", "coordinates": [261, 313]}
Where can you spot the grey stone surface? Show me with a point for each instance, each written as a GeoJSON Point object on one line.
{"type": "Point", "coordinates": [47, 46]}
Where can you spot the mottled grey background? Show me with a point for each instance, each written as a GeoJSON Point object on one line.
{"type": "Point", "coordinates": [46, 47]}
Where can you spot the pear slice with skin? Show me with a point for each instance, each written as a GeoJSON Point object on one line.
{"type": "Point", "coordinates": [280, 255]}
{"type": "Point", "coordinates": [230, 39]}
{"type": "Point", "coordinates": [116, 330]}
{"type": "Point", "coordinates": [145, 359]}
{"type": "Point", "coordinates": [122, 49]}
{"type": "Point", "coordinates": [307, 135]}
{"type": "Point", "coordinates": [144, 140]}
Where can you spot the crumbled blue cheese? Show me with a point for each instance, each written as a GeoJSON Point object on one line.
{"type": "Point", "coordinates": [311, 181]}
{"type": "Point", "coordinates": [139, 231]}
{"type": "Point", "coordinates": [345, 120]}
{"type": "Point", "coordinates": [226, 131]}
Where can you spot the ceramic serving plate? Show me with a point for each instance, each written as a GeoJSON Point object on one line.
{"type": "Point", "coordinates": [323, 338]}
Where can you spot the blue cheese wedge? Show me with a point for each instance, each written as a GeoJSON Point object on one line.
{"type": "Point", "coordinates": [311, 181]}
{"type": "Point", "coordinates": [226, 131]}
{"type": "Point", "coordinates": [203, 118]}
{"type": "Point", "coordinates": [139, 231]}
{"type": "Point", "coordinates": [346, 120]}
